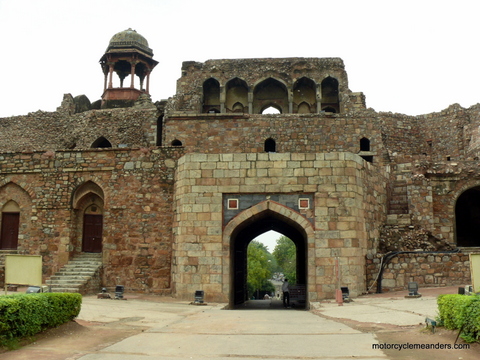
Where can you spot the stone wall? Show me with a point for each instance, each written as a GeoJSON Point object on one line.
{"type": "Point", "coordinates": [345, 201]}
{"type": "Point", "coordinates": [151, 217]}
{"type": "Point", "coordinates": [427, 269]}
{"type": "Point", "coordinates": [136, 195]}
{"type": "Point", "coordinates": [312, 133]}
{"type": "Point", "coordinates": [433, 191]}
{"type": "Point", "coordinates": [132, 127]}
{"type": "Point", "coordinates": [189, 95]}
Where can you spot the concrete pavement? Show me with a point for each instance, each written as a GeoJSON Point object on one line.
{"type": "Point", "coordinates": [181, 331]}
{"type": "Point", "coordinates": [164, 329]}
{"type": "Point", "coordinates": [395, 310]}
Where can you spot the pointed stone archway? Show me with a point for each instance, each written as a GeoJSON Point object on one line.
{"type": "Point", "coordinates": [267, 215]}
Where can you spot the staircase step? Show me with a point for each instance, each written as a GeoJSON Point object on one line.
{"type": "Point", "coordinates": [75, 271]}
{"type": "Point", "coordinates": [65, 289]}
{"type": "Point", "coordinates": [69, 277]}
{"type": "Point", "coordinates": [76, 266]}
{"type": "Point", "coordinates": [76, 274]}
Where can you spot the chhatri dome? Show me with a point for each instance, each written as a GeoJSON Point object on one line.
{"type": "Point", "coordinates": [127, 54]}
{"type": "Point", "coordinates": [128, 39]}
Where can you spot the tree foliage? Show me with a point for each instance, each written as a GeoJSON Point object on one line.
{"type": "Point", "coordinates": [285, 253]}
{"type": "Point", "coordinates": [259, 267]}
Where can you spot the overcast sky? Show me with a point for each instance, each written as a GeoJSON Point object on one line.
{"type": "Point", "coordinates": [411, 57]}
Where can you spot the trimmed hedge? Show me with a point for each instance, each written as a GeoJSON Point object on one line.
{"type": "Point", "coordinates": [461, 312]}
{"type": "Point", "coordinates": [28, 314]}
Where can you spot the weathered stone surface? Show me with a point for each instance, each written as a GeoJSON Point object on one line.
{"type": "Point", "coordinates": [163, 174]}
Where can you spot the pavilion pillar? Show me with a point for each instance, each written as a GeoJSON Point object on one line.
{"type": "Point", "coordinates": [110, 80]}
{"type": "Point", "coordinates": [132, 74]}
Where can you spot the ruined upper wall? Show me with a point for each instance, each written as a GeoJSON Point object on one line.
{"type": "Point", "coordinates": [64, 129]}
{"type": "Point", "coordinates": [244, 87]}
{"type": "Point", "coordinates": [255, 70]}
{"type": "Point", "coordinates": [241, 79]}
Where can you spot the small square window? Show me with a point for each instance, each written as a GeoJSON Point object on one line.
{"type": "Point", "coordinates": [232, 204]}
{"type": "Point", "coordinates": [304, 203]}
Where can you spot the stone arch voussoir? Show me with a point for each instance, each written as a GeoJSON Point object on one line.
{"type": "Point", "coordinates": [22, 185]}
{"type": "Point", "coordinates": [269, 205]}
{"type": "Point", "coordinates": [84, 187]}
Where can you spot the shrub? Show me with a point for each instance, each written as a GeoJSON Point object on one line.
{"type": "Point", "coordinates": [28, 314]}
{"type": "Point", "coordinates": [461, 312]}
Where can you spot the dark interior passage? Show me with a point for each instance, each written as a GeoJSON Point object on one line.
{"type": "Point", "coordinates": [467, 217]}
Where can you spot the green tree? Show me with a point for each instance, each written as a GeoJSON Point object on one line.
{"type": "Point", "coordinates": [285, 253]}
{"type": "Point", "coordinates": [259, 267]}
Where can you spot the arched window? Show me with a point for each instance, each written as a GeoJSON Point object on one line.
{"type": "Point", "coordinates": [271, 110]}
{"type": "Point", "coordinates": [329, 109]}
{"type": "Point", "coordinates": [177, 142]}
{"type": "Point", "coordinates": [330, 99]}
{"type": "Point", "coordinates": [10, 226]}
{"type": "Point", "coordinates": [211, 96]}
{"type": "Point", "coordinates": [304, 108]}
{"type": "Point", "coordinates": [304, 95]}
{"type": "Point", "coordinates": [270, 92]}
{"type": "Point", "coordinates": [101, 142]}
{"type": "Point", "coordinates": [238, 107]}
{"type": "Point", "coordinates": [270, 145]}
{"type": "Point", "coordinates": [236, 93]}
{"type": "Point", "coordinates": [365, 150]}
{"type": "Point", "coordinates": [364, 144]}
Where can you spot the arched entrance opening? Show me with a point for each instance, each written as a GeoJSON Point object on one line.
{"type": "Point", "coordinates": [92, 229]}
{"type": "Point", "coordinates": [249, 229]}
{"type": "Point", "coordinates": [10, 226]}
{"type": "Point", "coordinates": [467, 218]}
{"type": "Point", "coordinates": [88, 205]}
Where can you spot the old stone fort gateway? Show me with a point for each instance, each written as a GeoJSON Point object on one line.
{"type": "Point", "coordinates": [168, 194]}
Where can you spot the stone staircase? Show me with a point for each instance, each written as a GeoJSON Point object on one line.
{"type": "Point", "coordinates": [80, 275]}
{"type": "Point", "coordinates": [398, 212]}
{"type": "Point", "coordinates": [398, 202]}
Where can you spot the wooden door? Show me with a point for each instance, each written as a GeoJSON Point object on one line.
{"type": "Point", "coordinates": [92, 233]}
{"type": "Point", "coordinates": [9, 235]}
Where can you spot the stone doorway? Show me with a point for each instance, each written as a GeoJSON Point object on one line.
{"type": "Point", "coordinates": [92, 233]}
{"type": "Point", "coordinates": [9, 233]}
{"type": "Point", "coordinates": [249, 229]}
{"type": "Point", "coordinates": [467, 215]}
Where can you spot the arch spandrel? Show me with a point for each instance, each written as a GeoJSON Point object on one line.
{"type": "Point", "coordinates": [273, 209]}
{"type": "Point", "coordinates": [89, 187]}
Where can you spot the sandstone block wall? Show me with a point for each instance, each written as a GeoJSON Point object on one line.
{"type": "Point", "coordinates": [137, 196]}
{"type": "Point", "coordinates": [345, 201]}
{"type": "Point", "coordinates": [292, 133]}
{"type": "Point", "coordinates": [426, 269]}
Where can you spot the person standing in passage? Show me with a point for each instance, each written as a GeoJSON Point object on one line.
{"type": "Point", "coordinates": [286, 294]}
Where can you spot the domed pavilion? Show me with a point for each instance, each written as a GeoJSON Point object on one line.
{"type": "Point", "coordinates": [127, 54]}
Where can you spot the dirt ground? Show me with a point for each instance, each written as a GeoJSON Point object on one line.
{"type": "Point", "coordinates": [77, 338]}
{"type": "Point", "coordinates": [71, 341]}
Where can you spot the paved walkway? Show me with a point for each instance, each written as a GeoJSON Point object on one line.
{"type": "Point", "coordinates": [169, 330]}
{"type": "Point", "coordinates": [396, 310]}
{"type": "Point", "coordinates": [181, 331]}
